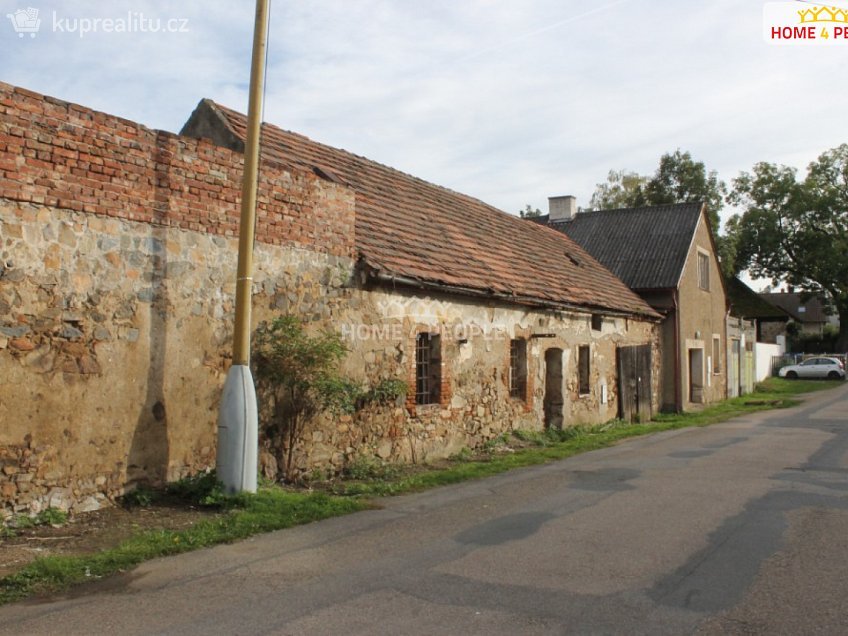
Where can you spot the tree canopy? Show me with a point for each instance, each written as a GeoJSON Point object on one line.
{"type": "Point", "coordinates": [797, 231]}
{"type": "Point", "coordinates": [678, 179]}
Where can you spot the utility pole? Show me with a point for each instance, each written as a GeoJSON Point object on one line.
{"type": "Point", "coordinates": [238, 426]}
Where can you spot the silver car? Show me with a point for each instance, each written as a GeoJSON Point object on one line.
{"type": "Point", "coordinates": [830, 368]}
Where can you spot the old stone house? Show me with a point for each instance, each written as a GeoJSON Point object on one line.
{"type": "Point", "coordinates": [667, 255]}
{"type": "Point", "coordinates": [118, 255]}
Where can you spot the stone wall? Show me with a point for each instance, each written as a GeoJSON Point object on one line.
{"type": "Point", "coordinates": [114, 343]}
{"type": "Point", "coordinates": [475, 405]}
{"type": "Point", "coordinates": [114, 354]}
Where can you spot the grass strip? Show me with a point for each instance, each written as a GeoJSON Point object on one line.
{"type": "Point", "coordinates": [267, 510]}
{"type": "Point", "coordinates": [274, 509]}
{"type": "Point", "coordinates": [554, 445]}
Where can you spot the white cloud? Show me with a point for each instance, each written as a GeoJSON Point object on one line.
{"type": "Point", "coordinates": [506, 101]}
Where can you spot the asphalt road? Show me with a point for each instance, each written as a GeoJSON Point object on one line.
{"type": "Point", "coordinates": [738, 528]}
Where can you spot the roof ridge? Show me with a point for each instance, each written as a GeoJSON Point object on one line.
{"type": "Point", "coordinates": [364, 158]}
{"type": "Point", "coordinates": [658, 206]}
{"type": "Point", "coordinates": [412, 228]}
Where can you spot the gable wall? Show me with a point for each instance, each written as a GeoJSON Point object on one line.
{"type": "Point", "coordinates": [702, 315]}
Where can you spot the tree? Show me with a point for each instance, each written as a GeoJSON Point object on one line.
{"type": "Point", "coordinates": [529, 213]}
{"type": "Point", "coordinates": [681, 179]}
{"type": "Point", "coordinates": [298, 377]}
{"type": "Point", "coordinates": [678, 179]}
{"type": "Point", "coordinates": [622, 190]}
{"type": "Point", "coordinates": [797, 231]}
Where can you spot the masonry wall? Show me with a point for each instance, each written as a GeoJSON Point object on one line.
{"type": "Point", "coordinates": [702, 317]}
{"type": "Point", "coordinates": [475, 404]}
{"type": "Point", "coordinates": [117, 269]}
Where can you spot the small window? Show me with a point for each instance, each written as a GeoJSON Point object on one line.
{"type": "Point", "coordinates": [583, 369]}
{"type": "Point", "coordinates": [703, 270]}
{"type": "Point", "coordinates": [518, 368]}
{"type": "Point", "coordinates": [428, 368]}
{"type": "Point", "coordinates": [597, 322]}
{"type": "Point", "coordinates": [716, 354]}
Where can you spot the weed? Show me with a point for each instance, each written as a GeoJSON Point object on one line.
{"type": "Point", "coordinates": [463, 455]}
{"type": "Point", "coordinates": [369, 469]}
{"type": "Point", "coordinates": [51, 517]}
{"type": "Point", "coordinates": [141, 497]}
{"type": "Point", "coordinates": [202, 489]}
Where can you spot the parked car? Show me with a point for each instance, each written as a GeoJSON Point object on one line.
{"type": "Point", "coordinates": [829, 368]}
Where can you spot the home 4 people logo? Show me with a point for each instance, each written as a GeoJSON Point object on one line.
{"type": "Point", "coordinates": [805, 23]}
{"type": "Point", "coordinates": [25, 21]}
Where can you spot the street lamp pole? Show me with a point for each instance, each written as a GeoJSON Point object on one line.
{"type": "Point", "coordinates": [238, 428]}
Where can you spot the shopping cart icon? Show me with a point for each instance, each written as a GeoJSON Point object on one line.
{"type": "Point", "coordinates": [25, 21]}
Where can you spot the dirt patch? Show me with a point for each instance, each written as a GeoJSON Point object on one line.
{"type": "Point", "coordinates": [94, 531]}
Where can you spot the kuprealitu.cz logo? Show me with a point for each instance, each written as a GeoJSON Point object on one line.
{"type": "Point", "coordinates": [805, 23]}
{"type": "Point", "coordinates": [27, 22]}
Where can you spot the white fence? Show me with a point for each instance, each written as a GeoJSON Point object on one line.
{"type": "Point", "coordinates": [765, 354]}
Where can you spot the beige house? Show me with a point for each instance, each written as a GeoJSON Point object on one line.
{"type": "Point", "coordinates": [667, 255]}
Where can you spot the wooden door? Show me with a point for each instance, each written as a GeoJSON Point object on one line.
{"type": "Point", "coordinates": [634, 383]}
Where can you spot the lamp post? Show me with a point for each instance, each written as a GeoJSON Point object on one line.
{"type": "Point", "coordinates": [238, 428]}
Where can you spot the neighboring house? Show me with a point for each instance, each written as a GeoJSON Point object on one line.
{"type": "Point", "coordinates": [752, 329]}
{"type": "Point", "coordinates": [809, 313]}
{"type": "Point", "coordinates": [746, 303]}
{"type": "Point", "coordinates": [667, 255]}
{"type": "Point", "coordinates": [116, 303]}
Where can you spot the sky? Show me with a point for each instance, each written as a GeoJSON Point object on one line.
{"type": "Point", "coordinates": [510, 102]}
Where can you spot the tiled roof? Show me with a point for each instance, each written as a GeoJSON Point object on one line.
{"type": "Point", "coordinates": [409, 228]}
{"type": "Point", "coordinates": [792, 303]}
{"type": "Point", "coordinates": [644, 247]}
{"type": "Point", "coordinates": [746, 303]}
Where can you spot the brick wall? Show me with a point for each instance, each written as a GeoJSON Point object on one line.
{"type": "Point", "coordinates": [65, 156]}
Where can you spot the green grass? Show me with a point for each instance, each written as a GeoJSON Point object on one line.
{"type": "Point", "coordinates": [273, 508]}
{"type": "Point", "coordinates": [553, 445]}
{"type": "Point", "coordinates": [246, 515]}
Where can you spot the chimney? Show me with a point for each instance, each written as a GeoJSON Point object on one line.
{"type": "Point", "coordinates": [562, 208]}
{"type": "Point", "coordinates": [790, 289]}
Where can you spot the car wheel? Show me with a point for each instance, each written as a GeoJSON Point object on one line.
{"type": "Point", "coordinates": [791, 375]}
{"type": "Point", "coordinates": [833, 375]}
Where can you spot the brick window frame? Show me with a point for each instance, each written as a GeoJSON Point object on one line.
{"type": "Point", "coordinates": [584, 370]}
{"type": "Point", "coordinates": [428, 369]}
{"type": "Point", "coordinates": [518, 368]}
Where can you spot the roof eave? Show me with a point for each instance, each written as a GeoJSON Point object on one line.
{"type": "Point", "coordinates": [526, 301]}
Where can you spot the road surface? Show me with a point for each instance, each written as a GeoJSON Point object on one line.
{"type": "Point", "coordinates": [741, 528]}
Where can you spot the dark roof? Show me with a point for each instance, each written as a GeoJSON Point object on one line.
{"type": "Point", "coordinates": [407, 227]}
{"type": "Point", "coordinates": [791, 303]}
{"type": "Point", "coordinates": [645, 247]}
{"type": "Point", "coordinates": [746, 303]}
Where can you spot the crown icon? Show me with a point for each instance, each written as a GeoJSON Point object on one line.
{"type": "Point", "coordinates": [823, 14]}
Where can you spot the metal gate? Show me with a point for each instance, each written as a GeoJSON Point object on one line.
{"type": "Point", "coordinates": [634, 383]}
